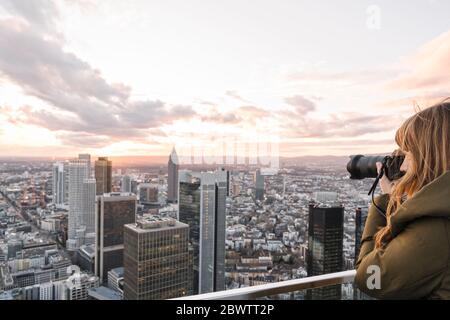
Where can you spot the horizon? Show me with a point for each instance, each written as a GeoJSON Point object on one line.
{"type": "Point", "coordinates": [136, 79]}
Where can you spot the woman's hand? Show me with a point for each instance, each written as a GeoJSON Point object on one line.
{"type": "Point", "coordinates": [386, 185]}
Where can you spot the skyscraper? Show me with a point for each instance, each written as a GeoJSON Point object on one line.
{"type": "Point", "coordinates": [125, 185]}
{"type": "Point", "coordinates": [325, 247]}
{"type": "Point", "coordinates": [259, 185]}
{"type": "Point", "coordinates": [88, 217]}
{"type": "Point", "coordinates": [172, 177]}
{"type": "Point", "coordinates": [113, 211]}
{"type": "Point", "coordinates": [60, 183]}
{"type": "Point", "coordinates": [148, 193]}
{"type": "Point", "coordinates": [103, 175]}
{"type": "Point", "coordinates": [81, 204]}
{"type": "Point", "coordinates": [157, 263]}
{"type": "Point", "coordinates": [87, 158]}
{"type": "Point", "coordinates": [202, 206]}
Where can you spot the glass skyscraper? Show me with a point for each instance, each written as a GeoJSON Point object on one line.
{"type": "Point", "coordinates": [157, 262]}
{"type": "Point", "coordinates": [202, 206]}
{"type": "Point", "coordinates": [103, 175]}
{"type": "Point", "coordinates": [113, 211]}
{"type": "Point", "coordinates": [172, 177]}
{"type": "Point", "coordinates": [325, 247]}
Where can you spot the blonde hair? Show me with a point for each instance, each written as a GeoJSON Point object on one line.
{"type": "Point", "coordinates": [426, 136]}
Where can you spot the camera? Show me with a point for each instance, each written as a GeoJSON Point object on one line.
{"type": "Point", "coordinates": [361, 167]}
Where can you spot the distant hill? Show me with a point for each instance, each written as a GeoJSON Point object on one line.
{"type": "Point", "coordinates": [144, 161]}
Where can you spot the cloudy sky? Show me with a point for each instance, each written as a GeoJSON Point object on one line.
{"type": "Point", "coordinates": [138, 77]}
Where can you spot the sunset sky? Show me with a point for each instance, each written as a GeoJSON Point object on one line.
{"type": "Point", "coordinates": [138, 77]}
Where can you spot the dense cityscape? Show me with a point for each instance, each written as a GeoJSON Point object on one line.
{"type": "Point", "coordinates": [83, 228]}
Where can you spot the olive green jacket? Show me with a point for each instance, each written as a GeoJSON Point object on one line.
{"type": "Point", "coordinates": [415, 263]}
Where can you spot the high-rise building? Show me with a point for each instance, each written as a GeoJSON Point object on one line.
{"type": "Point", "coordinates": [113, 211]}
{"type": "Point", "coordinates": [148, 193]}
{"type": "Point", "coordinates": [125, 185]}
{"type": "Point", "coordinates": [172, 177]}
{"type": "Point", "coordinates": [87, 158]}
{"type": "Point", "coordinates": [81, 204]}
{"type": "Point", "coordinates": [157, 263]}
{"type": "Point", "coordinates": [202, 200]}
{"type": "Point", "coordinates": [88, 217]}
{"type": "Point", "coordinates": [325, 247]}
{"type": "Point", "coordinates": [60, 183]}
{"type": "Point", "coordinates": [103, 175]}
{"type": "Point", "coordinates": [259, 185]}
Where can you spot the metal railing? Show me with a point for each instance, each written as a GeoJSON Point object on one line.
{"type": "Point", "coordinates": [264, 290]}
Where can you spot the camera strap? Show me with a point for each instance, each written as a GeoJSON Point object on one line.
{"type": "Point", "coordinates": [374, 187]}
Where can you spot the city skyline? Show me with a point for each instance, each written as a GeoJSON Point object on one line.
{"type": "Point", "coordinates": [139, 78]}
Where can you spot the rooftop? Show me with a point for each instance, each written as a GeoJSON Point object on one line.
{"type": "Point", "coordinates": [104, 293]}
{"type": "Point", "coordinates": [155, 223]}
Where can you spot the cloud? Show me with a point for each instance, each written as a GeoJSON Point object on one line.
{"type": "Point", "coordinates": [39, 13]}
{"type": "Point", "coordinates": [242, 115]}
{"type": "Point", "coordinates": [253, 112]}
{"type": "Point", "coordinates": [339, 125]}
{"type": "Point", "coordinates": [80, 99]}
{"type": "Point", "coordinates": [428, 68]}
{"type": "Point", "coordinates": [301, 104]}
{"type": "Point", "coordinates": [358, 77]}
{"type": "Point", "coordinates": [234, 94]}
{"type": "Point", "coordinates": [82, 139]}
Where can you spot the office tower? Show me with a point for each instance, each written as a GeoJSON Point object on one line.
{"type": "Point", "coordinates": [89, 205]}
{"type": "Point", "coordinates": [60, 183]}
{"type": "Point", "coordinates": [259, 185]}
{"type": "Point", "coordinates": [228, 180]}
{"type": "Point", "coordinates": [157, 262]}
{"type": "Point", "coordinates": [86, 258]}
{"type": "Point", "coordinates": [87, 158]}
{"type": "Point", "coordinates": [202, 199]}
{"type": "Point", "coordinates": [172, 177]}
{"type": "Point", "coordinates": [325, 247]}
{"type": "Point", "coordinates": [81, 204]}
{"type": "Point", "coordinates": [125, 185]}
{"type": "Point", "coordinates": [113, 211]}
{"type": "Point", "coordinates": [103, 175]}
{"type": "Point", "coordinates": [134, 186]}
{"type": "Point", "coordinates": [360, 221]}
{"type": "Point", "coordinates": [148, 193]}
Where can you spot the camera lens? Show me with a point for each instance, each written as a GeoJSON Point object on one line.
{"type": "Point", "coordinates": [361, 167]}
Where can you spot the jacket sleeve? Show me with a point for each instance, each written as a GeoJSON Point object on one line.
{"type": "Point", "coordinates": [410, 266]}
{"type": "Point", "coordinates": [374, 222]}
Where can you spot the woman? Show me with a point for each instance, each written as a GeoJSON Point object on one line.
{"type": "Point", "coordinates": [407, 254]}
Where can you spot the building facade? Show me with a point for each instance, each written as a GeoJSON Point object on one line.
{"type": "Point", "coordinates": [259, 185]}
{"type": "Point", "coordinates": [81, 204]}
{"type": "Point", "coordinates": [325, 247]}
{"type": "Point", "coordinates": [202, 205]}
{"type": "Point", "coordinates": [157, 263]}
{"type": "Point", "coordinates": [103, 175]}
{"type": "Point", "coordinates": [60, 183]}
{"type": "Point", "coordinates": [113, 211]}
{"type": "Point", "coordinates": [172, 177]}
